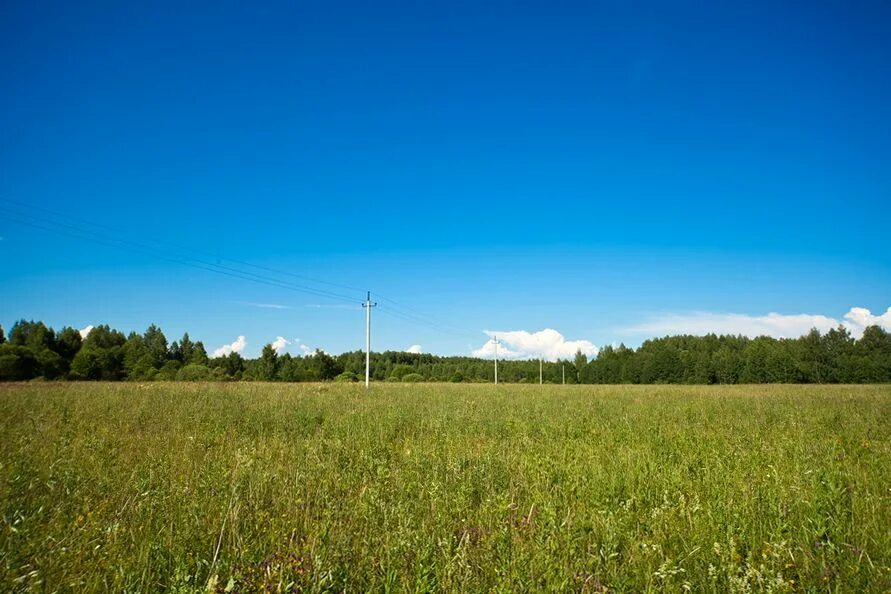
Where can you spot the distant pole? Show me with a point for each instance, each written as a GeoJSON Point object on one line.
{"type": "Point", "coordinates": [495, 340]}
{"type": "Point", "coordinates": [368, 305]}
{"type": "Point", "coordinates": [564, 374]}
{"type": "Point", "coordinates": [540, 380]}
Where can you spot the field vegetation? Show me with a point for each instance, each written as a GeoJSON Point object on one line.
{"type": "Point", "coordinates": [244, 487]}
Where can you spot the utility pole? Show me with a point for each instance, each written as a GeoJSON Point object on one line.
{"type": "Point", "coordinates": [368, 305]}
{"type": "Point", "coordinates": [495, 340]}
{"type": "Point", "coordinates": [540, 380]}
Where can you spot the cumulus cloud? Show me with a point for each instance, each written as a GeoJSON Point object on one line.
{"type": "Point", "coordinates": [235, 347]}
{"type": "Point", "coordinates": [546, 344]}
{"type": "Point", "coordinates": [772, 324]}
{"type": "Point", "coordinates": [85, 331]}
{"type": "Point", "coordinates": [415, 348]}
{"type": "Point", "coordinates": [309, 351]}
{"type": "Point", "coordinates": [280, 343]}
{"type": "Point", "coordinates": [858, 318]}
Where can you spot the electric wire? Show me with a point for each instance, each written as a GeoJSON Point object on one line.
{"type": "Point", "coordinates": [178, 247]}
{"type": "Point", "coordinates": [86, 231]}
{"type": "Point", "coordinates": [79, 233]}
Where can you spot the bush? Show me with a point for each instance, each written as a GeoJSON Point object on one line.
{"type": "Point", "coordinates": [168, 371]}
{"type": "Point", "coordinates": [194, 372]}
{"type": "Point", "coordinates": [346, 376]}
{"type": "Point", "coordinates": [413, 378]}
{"type": "Point", "coordinates": [400, 371]}
{"type": "Point", "coordinates": [457, 377]}
{"type": "Point", "coordinates": [17, 363]}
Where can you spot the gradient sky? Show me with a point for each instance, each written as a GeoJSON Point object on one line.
{"type": "Point", "coordinates": [611, 170]}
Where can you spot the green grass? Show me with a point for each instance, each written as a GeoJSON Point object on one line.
{"type": "Point", "coordinates": [460, 488]}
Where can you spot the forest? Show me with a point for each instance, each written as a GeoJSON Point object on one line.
{"type": "Point", "coordinates": [34, 351]}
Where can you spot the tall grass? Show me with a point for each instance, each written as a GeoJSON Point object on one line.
{"type": "Point", "coordinates": [460, 488]}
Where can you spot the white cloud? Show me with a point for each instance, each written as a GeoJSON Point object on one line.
{"type": "Point", "coordinates": [268, 305]}
{"type": "Point", "coordinates": [772, 324]}
{"type": "Point", "coordinates": [280, 343]}
{"type": "Point", "coordinates": [85, 331]}
{"type": "Point", "coordinates": [858, 318]}
{"type": "Point", "coordinates": [309, 352]}
{"type": "Point", "coordinates": [235, 347]}
{"type": "Point", "coordinates": [415, 348]}
{"type": "Point", "coordinates": [546, 344]}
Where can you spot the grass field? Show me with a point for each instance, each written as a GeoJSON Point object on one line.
{"type": "Point", "coordinates": [460, 488]}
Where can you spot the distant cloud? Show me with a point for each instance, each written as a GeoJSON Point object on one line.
{"type": "Point", "coordinates": [546, 344]}
{"type": "Point", "coordinates": [85, 331]}
{"type": "Point", "coordinates": [415, 348]}
{"type": "Point", "coordinates": [309, 351]}
{"type": "Point", "coordinates": [267, 305]}
{"type": "Point", "coordinates": [771, 324]}
{"type": "Point", "coordinates": [280, 343]}
{"type": "Point", "coordinates": [235, 347]}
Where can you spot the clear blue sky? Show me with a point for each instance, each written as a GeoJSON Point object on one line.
{"type": "Point", "coordinates": [583, 166]}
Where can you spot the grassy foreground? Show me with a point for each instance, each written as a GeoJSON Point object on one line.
{"type": "Point", "coordinates": [461, 488]}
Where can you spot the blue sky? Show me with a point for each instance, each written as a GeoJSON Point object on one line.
{"type": "Point", "coordinates": [609, 170]}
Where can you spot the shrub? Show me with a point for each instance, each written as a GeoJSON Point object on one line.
{"type": "Point", "coordinates": [400, 371]}
{"type": "Point", "coordinates": [193, 372]}
{"type": "Point", "coordinates": [413, 378]}
{"type": "Point", "coordinates": [168, 371]}
{"type": "Point", "coordinates": [346, 376]}
{"type": "Point", "coordinates": [457, 377]}
{"type": "Point", "coordinates": [17, 363]}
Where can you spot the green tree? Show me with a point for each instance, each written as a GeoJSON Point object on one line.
{"type": "Point", "coordinates": [267, 366]}
{"type": "Point", "coordinates": [232, 364]}
{"type": "Point", "coordinates": [156, 343]}
{"type": "Point", "coordinates": [68, 342]}
{"type": "Point", "coordinates": [93, 363]}
{"type": "Point", "coordinates": [185, 351]}
{"type": "Point", "coordinates": [35, 335]}
{"type": "Point", "coordinates": [18, 363]}
{"type": "Point", "coordinates": [199, 354]}
{"type": "Point", "coordinates": [139, 363]}
{"type": "Point", "coordinates": [322, 366]}
{"type": "Point", "coordinates": [104, 337]}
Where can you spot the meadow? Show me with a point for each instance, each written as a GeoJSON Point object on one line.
{"type": "Point", "coordinates": [245, 487]}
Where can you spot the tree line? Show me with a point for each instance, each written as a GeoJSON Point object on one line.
{"type": "Point", "coordinates": [33, 350]}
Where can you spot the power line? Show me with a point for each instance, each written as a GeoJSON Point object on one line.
{"type": "Point", "coordinates": [105, 235]}
{"type": "Point", "coordinates": [177, 247]}
{"type": "Point", "coordinates": [89, 235]}
{"type": "Point", "coordinates": [413, 315]}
